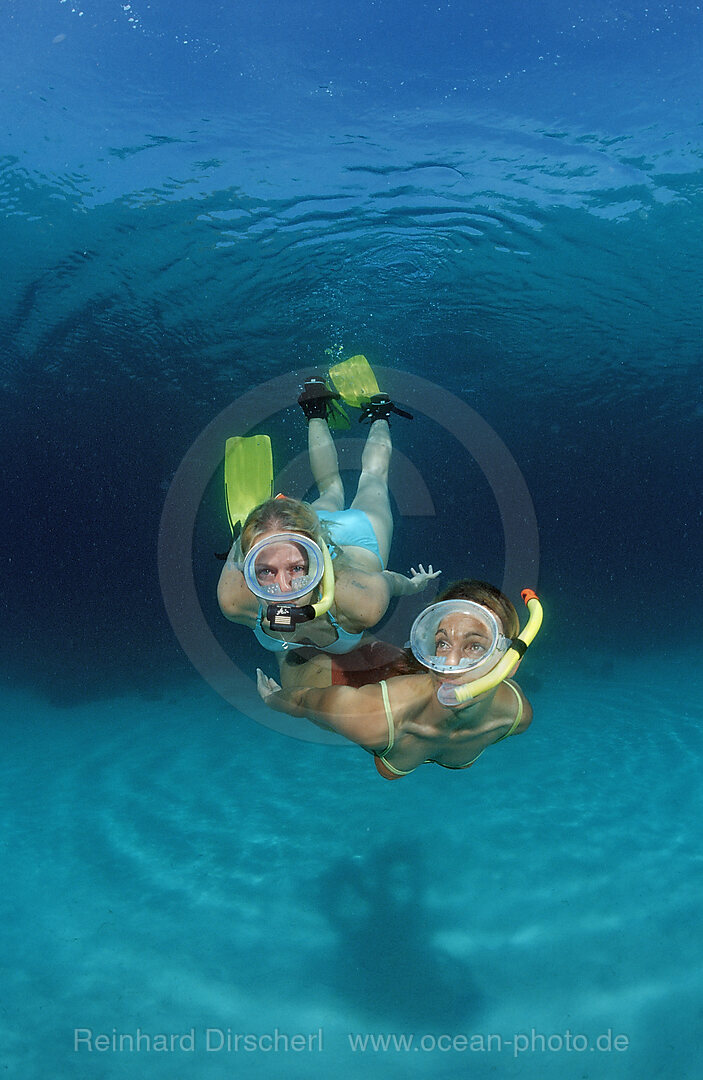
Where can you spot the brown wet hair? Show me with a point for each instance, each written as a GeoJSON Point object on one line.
{"type": "Point", "coordinates": [481, 592]}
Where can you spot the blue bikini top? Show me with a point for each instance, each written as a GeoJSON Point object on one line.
{"type": "Point", "coordinates": [345, 642]}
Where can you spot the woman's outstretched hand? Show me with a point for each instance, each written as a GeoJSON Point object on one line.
{"type": "Point", "coordinates": [421, 578]}
{"type": "Point", "coordinates": [266, 686]}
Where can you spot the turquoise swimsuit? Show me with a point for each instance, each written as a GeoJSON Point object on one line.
{"type": "Point", "coordinates": [351, 528]}
{"type": "Point", "coordinates": [345, 642]}
{"type": "Point", "coordinates": [347, 528]}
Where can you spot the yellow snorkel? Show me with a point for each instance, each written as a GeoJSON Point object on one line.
{"type": "Point", "coordinates": [453, 695]}
{"type": "Point", "coordinates": [327, 585]}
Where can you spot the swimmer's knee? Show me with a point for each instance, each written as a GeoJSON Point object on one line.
{"type": "Point", "coordinates": [330, 500]}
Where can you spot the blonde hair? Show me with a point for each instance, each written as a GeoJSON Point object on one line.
{"type": "Point", "coordinates": [282, 515]}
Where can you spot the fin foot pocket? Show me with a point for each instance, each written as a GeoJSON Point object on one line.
{"type": "Point", "coordinates": [380, 407]}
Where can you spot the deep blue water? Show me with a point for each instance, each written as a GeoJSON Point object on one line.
{"type": "Point", "coordinates": [199, 204]}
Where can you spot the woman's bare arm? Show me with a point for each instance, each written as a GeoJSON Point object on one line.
{"type": "Point", "coordinates": [236, 601]}
{"type": "Point", "coordinates": [363, 597]}
{"type": "Point", "coordinates": [358, 715]}
{"type": "Point", "coordinates": [400, 585]}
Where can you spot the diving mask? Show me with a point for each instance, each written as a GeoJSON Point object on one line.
{"type": "Point", "coordinates": [284, 566]}
{"type": "Point", "coordinates": [281, 569]}
{"type": "Point", "coordinates": [458, 637]}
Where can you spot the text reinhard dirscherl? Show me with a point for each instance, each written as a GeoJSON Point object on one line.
{"type": "Point", "coordinates": [211, 1040]}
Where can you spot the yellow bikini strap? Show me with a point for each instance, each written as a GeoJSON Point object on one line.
{"type": "Point", "coordinates": [518, 716]}
{"type": "Point", "coordinates": [389, 715]}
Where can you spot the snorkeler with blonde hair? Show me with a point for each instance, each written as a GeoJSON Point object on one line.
{"type": "Point", "coordinates": [314, 575]}
{"type": "Point", "coordinates": [446, 701]}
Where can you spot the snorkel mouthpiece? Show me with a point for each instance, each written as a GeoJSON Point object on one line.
{"type": "Point", "coordinates": [453, 696]}
{"type": "Point", "coordinates": [285, 617]}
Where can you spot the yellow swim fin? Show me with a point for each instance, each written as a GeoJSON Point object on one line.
{"type": "Point", "coordinates": [248, 476]}
{"type": "Point", "coordinates": [354, 380]}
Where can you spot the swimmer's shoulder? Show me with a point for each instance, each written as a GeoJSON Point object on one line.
{"type": "Point", "coordinates": [507, 701]}
{"type": "Point", "coordinates": [234, 598]}
{"type": "Point", "coordinates": [361, 595]}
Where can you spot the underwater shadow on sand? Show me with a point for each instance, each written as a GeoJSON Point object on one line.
{"type": "Point", "coordinates": [384, 962]}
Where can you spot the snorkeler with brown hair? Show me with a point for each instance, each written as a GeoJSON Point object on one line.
{"type": "Point", "coordinates": [314, 575]}
{"type": "Point", "coordinates": [449, 698]}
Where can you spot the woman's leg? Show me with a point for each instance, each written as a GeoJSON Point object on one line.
{"type": "Point", "coordinates": [372, 492]}
{"type": "Point", "coordinates": [325, 466]}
